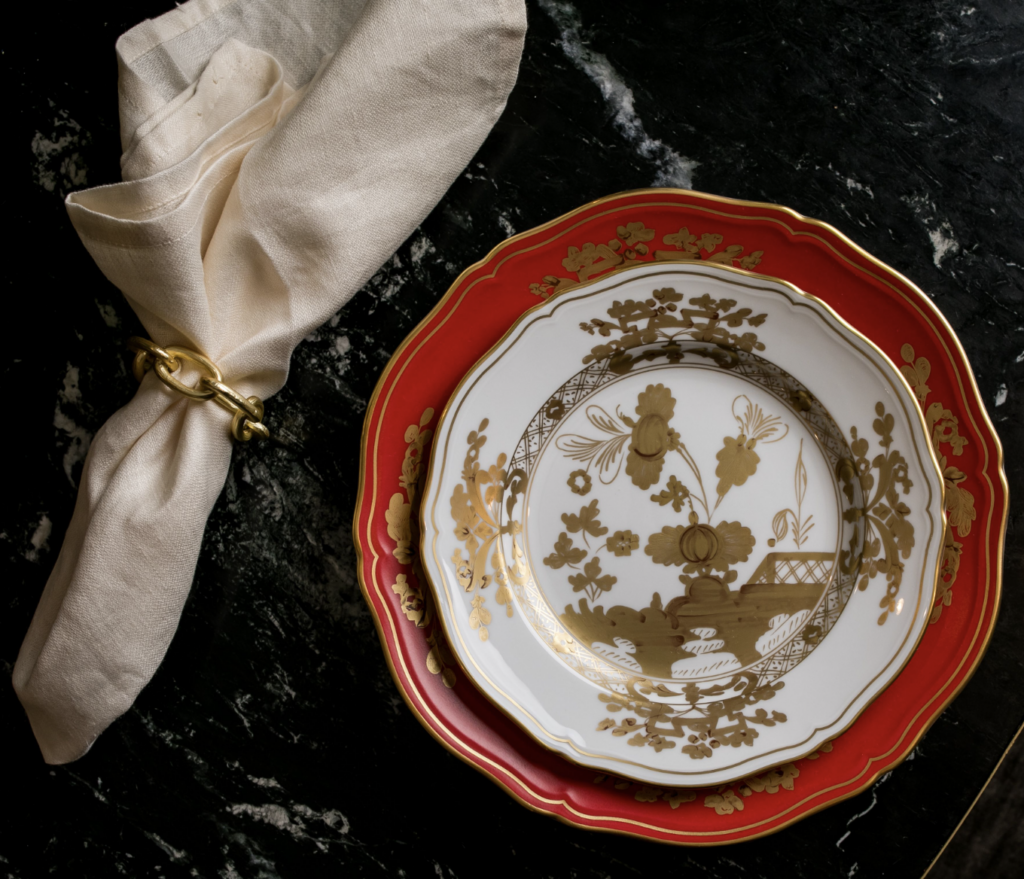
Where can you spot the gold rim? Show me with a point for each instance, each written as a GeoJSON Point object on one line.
{"type": "Point", "coordinates": [803, 299]}
{"type": "Point", "coordinates": [493, 770]}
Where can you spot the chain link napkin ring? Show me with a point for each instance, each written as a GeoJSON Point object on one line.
{"type": "Point", "coordinates": [247, 411]}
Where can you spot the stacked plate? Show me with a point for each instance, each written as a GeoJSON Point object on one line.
{"type": "Point", "coordinates": [711, 528]}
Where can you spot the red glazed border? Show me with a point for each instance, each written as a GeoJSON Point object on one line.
{"type": "Point", "coordinates": [482, 303]}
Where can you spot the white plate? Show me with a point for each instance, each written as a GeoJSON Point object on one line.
{"type": "Point", "coordinates": [683, 524]}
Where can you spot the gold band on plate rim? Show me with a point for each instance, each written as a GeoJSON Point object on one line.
{"type": "Point", "coordinates": [803, 300]}
{"type": "Point", "coordinates": [493, 770]}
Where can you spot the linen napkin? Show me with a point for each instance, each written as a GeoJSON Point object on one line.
{"type": "Point", "coordinates": [276, 153]}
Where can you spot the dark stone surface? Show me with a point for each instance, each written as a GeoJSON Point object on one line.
{"type": "Point", "coordinates": [272, 741]}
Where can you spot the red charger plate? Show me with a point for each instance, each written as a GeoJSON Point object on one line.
{"type": "Point", "coordinates": [606, 236]}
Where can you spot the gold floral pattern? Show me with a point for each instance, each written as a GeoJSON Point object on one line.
{"type": "Point", "coordinates": [785, 519]}
{"type": "Point", "coordinates": [701, 548]}
{"type": "Point", "coordinates": [440, 660]}
{"type": "Point", "coordinates": [622, 543]}
{"type": "Point", "coordinates": [701, 726]}
{"type": "Point", "coordinates": [413, 605]}
{"type": "Point", "coordinates": [652, 437]}
{"type": "Point", "coordinates": [631, 247]}
{"type": "Point", "coordinates": [944, 428]}
{"type": "Point", "coordinates": [707, 630]}
{"type": "Point", "coordinates": [726, 799]}
{"type": "Point", "coordinates": [665, 318]}
{"type": "Point", "coordinates": [674, 493]}
{"type": "Point", "coordinates": [646, 793]}
{"type": "Point", "coordinates": [737, 460]}
{"type": "Point", "coordinates": [579, 481]}
{"type": "Point", "coordinates": [475, 506]}
{"type": "Point", "coordinates": [401, 522]}
{"type": "Point", "coordinates": [401, 517]}
{"type": "Point", "coordinates": [888, 534]}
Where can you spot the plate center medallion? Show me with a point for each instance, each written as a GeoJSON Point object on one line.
{"type": "Point", "coordinates": [684, 521]}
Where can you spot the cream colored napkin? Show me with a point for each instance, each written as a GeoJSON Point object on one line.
{"type": "Point", "coordinates": [276, 153]}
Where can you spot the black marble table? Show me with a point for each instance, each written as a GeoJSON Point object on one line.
{"type": "Point", "coordinates": [272, 741]}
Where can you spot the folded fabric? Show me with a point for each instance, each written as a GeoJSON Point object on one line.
{"type": "Point", "coordinates": [276, 153]}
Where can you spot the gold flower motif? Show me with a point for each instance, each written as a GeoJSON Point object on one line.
{"type": "Point", "coordinates": [652, 437]}
{"type": "Point", "coordinates": [555, 410]}
{"type": "Point", "coordinates": [633, 234]}
{"type": "Point", "coordinates": [724, 803]}
{"type": "Point", "coordinates": [412, 602]}
{"type": "Point", "coordinates": [623, 542]}
{"type": "Point", "coordinates": [398, 516]}
{"type": "Point", "coordinates": [701, 547]}
{"type": "Point", "coordinates": [579, 481]}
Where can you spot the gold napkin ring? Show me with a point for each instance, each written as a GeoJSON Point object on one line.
{"type": "Point", "coordinates": [247, 412]}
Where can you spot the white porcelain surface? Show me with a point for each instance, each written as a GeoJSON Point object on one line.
{"type": "Point", "coordinates": [657, 556]}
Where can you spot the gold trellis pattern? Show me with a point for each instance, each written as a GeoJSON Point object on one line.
{"type": "Point", "coordinates": [631, 247]}
{"type": "Point", "coordinates": [944, 427]}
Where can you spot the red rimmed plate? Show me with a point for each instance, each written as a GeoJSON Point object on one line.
{"type": "Point", "coordinates": [603, 237]}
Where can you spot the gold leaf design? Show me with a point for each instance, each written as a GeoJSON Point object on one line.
{"type": "Point", "coordinates": [664, 317]}
{"type": "Point", "coordinates": [725, 799]}
{"type": "Point", "coordinates": [586, 521]}
{"type": "Point", "coordinates": [916, 372]}
{"type": "Point", "coordinates": [888, 534]}
{"type": "Point", "coordinates": [591, 580]}
{"type": "Point", "coordinates": [959, 501]}
{"type": "Point", "coordinates": [785, 518]}
{"type": "Point", "coordinates": [475, 507]}
{"type": "Point", "coordinates": [944, 428]}
{"type": "Point", "coordinates": [401, 518]}
{"type": "Point", "coordinates": [634, 235]}
{"type": "Point", "coordinates": [676, 798]}
{"type": "Point", "coordinates": [440, 659]}
{"type": "Point", "coordinates": [724, 803]}
{"type": "Point", "coordinates": [700, 725]}
{"type": "Point", "coordinates": [604, 453]}
{"type": "Point", "coordinates": [674, 493]}
{"type": "Point", "coordinates": [771, 782]}
{"type": "Point", "coordinates": [737, 460]}
{"type": "Point", "coordinates": [565, 553]}
{"type": "Point", "coordinates": [480, 617]}
{"type": "Point", "coordinates": [413, 605]}
{"type": "Point", "coordinates": [631, 247]}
